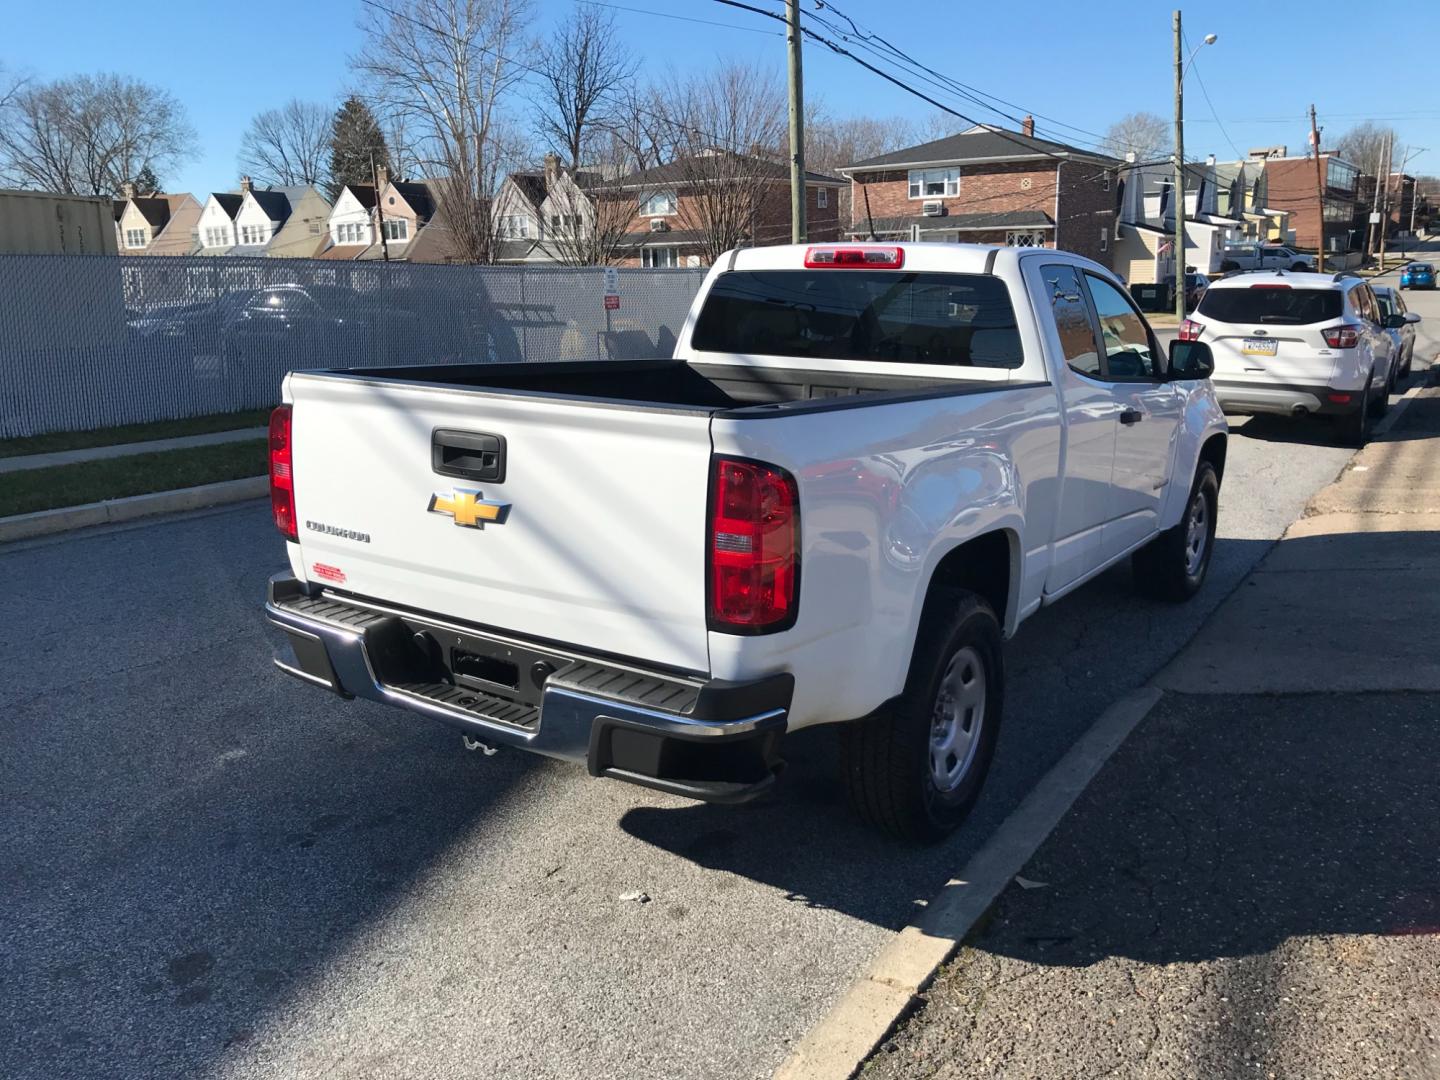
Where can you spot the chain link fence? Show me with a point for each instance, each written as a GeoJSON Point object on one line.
{"type": "Point", "coordinates": [96, 341]}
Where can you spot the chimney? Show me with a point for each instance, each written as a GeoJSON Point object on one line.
{"type": "Point", "coordinates": [552, 169]}
{"type": "Point", "coordinates": [245, 185]}
{"type": "Point", "coordinates": [382, 179]}
{"type": "Point", "coordinates": [127, 189]}
{"type": "Point", "coordinates": [1027, 126]}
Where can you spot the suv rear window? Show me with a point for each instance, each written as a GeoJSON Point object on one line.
{"type": "Point", "coordinates": [1272, 305]}
{"type": "Point", "coordinates": [877, 315]}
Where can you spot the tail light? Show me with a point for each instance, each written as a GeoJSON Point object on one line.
{"type": "Point", "coordinates": [881, 258]}
{"type": "Point", "coordinates": [282, 473]}
{"type": "Point", "coordinates": [1190, 330]}
{"type": "Point", "coordinates": [1341, 337]}
{"type": "Point", "coordinates": [753, 547]}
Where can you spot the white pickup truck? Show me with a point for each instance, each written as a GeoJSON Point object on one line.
{"type": "Point", "coordinates": [864, 467]}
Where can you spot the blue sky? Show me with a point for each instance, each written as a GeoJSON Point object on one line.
{"type": "Point", "coordinates": [1083, 63]}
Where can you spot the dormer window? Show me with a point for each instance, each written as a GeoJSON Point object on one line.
{"type": "Point", "coordinates": [136, 238]}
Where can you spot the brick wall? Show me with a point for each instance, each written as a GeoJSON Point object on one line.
{"type": "Point", "coordinates": [1086, 206]}
{"type": "Point", "coordinates": [1086, 202]}
{"type": "Point", "coordinates": [984, 189]}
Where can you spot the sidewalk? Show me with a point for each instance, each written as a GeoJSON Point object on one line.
{"type": "Point", "coordinates": [104, 453]}
{"type": "Point", "coordinates": [1251, 885]}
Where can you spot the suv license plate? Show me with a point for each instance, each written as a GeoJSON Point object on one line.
{"type": "Point", "coordinates": [1258, 347]}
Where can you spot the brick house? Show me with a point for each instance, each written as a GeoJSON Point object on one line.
{"type": "Point", "coordinates": [1292, 187]}
{"type": "Point", "coordinates": [686, 212]}
{"type": "Point", "coordinates": [987, 185]}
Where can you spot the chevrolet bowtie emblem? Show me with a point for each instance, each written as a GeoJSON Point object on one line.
{"type": "Point", "coordinates": [469, 509]}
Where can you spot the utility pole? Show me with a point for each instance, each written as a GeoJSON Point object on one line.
{"type": "Point", "coordinates": [797, 125]}
{"type": "Point", "coordinates": [1375, 198]}
{"type": "Point", "coordinates": [1319, 192]}
{"type": "Point", "coordinates": [379, 210]}
{"type": "Point", "coordinates": [1179, 195]}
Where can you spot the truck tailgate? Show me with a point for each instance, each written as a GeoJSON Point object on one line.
{"type": "Point", "coordinates": [595, 535]}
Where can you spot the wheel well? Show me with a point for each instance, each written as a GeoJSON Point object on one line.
{"type": "Point", "coordinates": [982, 565]}
{"type": "Point", "coordinates": [1214, 452]}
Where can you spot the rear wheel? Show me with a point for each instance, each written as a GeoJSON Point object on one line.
{"type": "Point", "coordinates": [1174, 564]}
{"type": "Point", "coordinates": [914, 769]}
{"type": "Point", "coordinates": [1380, 404]}
{"type": "Point", "coordinates": [1354, 427]}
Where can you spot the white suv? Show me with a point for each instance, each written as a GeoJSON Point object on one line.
{"type": "Point", "coordinates": [1297, 344]}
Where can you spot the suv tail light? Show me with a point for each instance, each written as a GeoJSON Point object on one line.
{"type": "Point", "coordinates": [282, 474]}
{"type": "Point", "coordinates": [1341, 337]}
{"type": "Point", "coordinates": [753, 547]}
{"type": "Point", "coordinates": [825, 258]}
{"type": "Point", "coordinates": [1190, 330]}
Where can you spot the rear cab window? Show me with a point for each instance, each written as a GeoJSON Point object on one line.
{"type": "Point", "coordinates": [903, 317]}
{"type": "Point", "coordinates": [1271, 304]}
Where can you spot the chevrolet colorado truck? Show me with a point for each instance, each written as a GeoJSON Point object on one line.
{"type": "Point", "coordinates": [863, 468]}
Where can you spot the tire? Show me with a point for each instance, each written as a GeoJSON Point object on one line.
{"type": "Point", "coordinates": [1355, 427]}
{"type": "Point", "coordinates": [1298, 268]}
{"type": "Point", "coordinates": [1173, 565]}
{"type": "Point", "coordinates": [1381, 403]}
{"type": "Point", "coordinates": [892, 760]}
{"type": "Point", "coordinates": [1409, 360]}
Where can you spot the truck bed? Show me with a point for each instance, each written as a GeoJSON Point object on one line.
{"type": "Point", "coordinates": [679, 384]}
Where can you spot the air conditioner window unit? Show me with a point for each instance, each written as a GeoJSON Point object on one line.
{"type": "Point", "coordinates": [659, 224]}
{"type": "Point", "coordinates": [933, 209]}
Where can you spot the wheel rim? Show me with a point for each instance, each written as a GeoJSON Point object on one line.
{"type": "Point", "coordinates": [1197, 533]}
{"type": "Point", "coordinates": [957, 721]}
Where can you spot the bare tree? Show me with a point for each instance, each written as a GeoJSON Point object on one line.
{"type": "Point", "coordinates": [444, 66]}
{"type": "Point", "coordinates": [288, 146]}
{"type": "Point", "coordinates": [726, 125]}
{"type": "Point", "coordinates": [1143, 134]}
{"type": "Point", "coordinates": [1365, 146]}
{"type": "Point", "coordinates": [640, 128]}
{"type": "Point", "coordinates": [581, 69]}
{"type": "Point", "coordinates": [90, 134]}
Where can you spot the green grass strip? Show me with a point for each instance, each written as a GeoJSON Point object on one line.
{"type": "Point", "coordinates": [137, 474]}
{"type": "Point", "coordinates": [131, 433]}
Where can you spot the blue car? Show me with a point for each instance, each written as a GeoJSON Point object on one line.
{"type": "Point", "coordinates": [1418, 276]}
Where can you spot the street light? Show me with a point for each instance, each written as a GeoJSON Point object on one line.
{"type": "Point", "coordinates": [1181, 66]}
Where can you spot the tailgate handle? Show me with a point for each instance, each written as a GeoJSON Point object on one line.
{"type": "Point", "coordinates": [468, 455]}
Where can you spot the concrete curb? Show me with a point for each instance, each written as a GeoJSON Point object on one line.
{"type": "Point", "coordinates": [839, 1044]}
{"type": "Point", "coordinates": [46, 522]}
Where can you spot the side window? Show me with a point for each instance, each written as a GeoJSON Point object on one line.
{"type": "Point", "coordinates": [1072, 319]}
{"type": "Point", "coordinates": [1365, 303]}
{"type": "Point", "coordinates": [1130, 352]}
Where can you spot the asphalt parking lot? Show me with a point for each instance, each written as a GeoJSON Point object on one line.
{"type": "Point", "coordinates": [213, 870]}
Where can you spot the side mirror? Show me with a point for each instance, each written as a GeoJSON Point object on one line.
{"type": "Point", "coordinates": [1394, 321]}
{"type": "Point", "coordinates": [1191, 360]}
{"type": "Point", "coordinates": [1412, 316]}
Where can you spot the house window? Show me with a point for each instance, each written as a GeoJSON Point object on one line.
{"type": "Point", "coordinates": [822, 197]}
{"type": "Point", "coordinates": [659, 258]}
{"type": "Point", "coordinates": [1104, 239]}
{"type": "Point", "coordinates": [934, 183]}
{"type": "Point", "coordinates": [1105, 184]}
{"type": "Point", "coordinates": [563, 224]}
{"type": "Point", "coordinates": [661, 204]}
{"type": "Point", "coordinates": [396, 229]}
{"type": "Point", "coordinates": [514, 227]}
{"type": "Point", "coordinates": [351, 232]}
{"type": "Point", "coordinates": [135, 238]}
{"type": "Point", "coordinates": [217, 237]}
{"type": "Point", "coordinates": [254, 234]}
{"type": "Point", "coordinates": [1024, 238]}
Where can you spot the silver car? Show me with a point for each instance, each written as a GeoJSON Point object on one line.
{"type": "Point", "coordinates": [1399, 323]}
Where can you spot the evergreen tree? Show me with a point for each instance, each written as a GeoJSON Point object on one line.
{"type": "Point", "coordinates": [357, 146]}
{"type": "Point", "coordinates": [145, 181]}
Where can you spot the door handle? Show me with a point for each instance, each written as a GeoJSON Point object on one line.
{"type": "Point", "coordinates": [468, 455]}
{"type": "Point", "coordinates": [1131, 416]}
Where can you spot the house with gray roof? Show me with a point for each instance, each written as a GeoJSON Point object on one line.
{"type": "Point", "coordinates": [989, 185]}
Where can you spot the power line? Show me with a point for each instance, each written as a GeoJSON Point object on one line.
{"type": "Point", "coordinates": [685, 18]}
{"type": "Point", "coordinates": [1210, 103]}
{"type": "Point", "coordinates": [865, 32]}
{"type": "Point", "coordinates": [1007, 136]}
